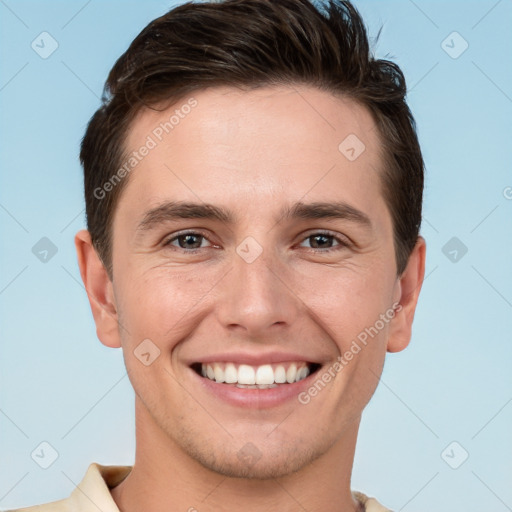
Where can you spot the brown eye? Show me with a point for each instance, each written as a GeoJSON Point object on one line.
{"type": "Point", "coordinates": [319, 241]}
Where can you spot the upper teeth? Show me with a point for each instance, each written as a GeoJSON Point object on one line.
{"type": "Point", "coordinates": [264, 374]}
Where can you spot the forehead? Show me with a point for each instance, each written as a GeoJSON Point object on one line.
{"type": "Point", "coordinates": [256, 144]}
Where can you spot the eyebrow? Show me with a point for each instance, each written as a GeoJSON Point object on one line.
{"type": "Point", "coordinates": [174, 210]}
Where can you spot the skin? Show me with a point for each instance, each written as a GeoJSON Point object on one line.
{"type": "Point", "coordinates": [252, 153]}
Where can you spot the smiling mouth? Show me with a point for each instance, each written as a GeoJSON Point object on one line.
{"type": "Point", "coordinates": [255, 377]}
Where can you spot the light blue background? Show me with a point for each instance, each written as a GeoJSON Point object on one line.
{"type": "Point", "coordinates": [454, 382]}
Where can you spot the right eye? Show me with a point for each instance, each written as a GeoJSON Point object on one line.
{"type": "Point", "coordinates": [187, 241]}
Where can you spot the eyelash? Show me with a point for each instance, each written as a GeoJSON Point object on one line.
{"type": "Point", "coordinates": [341, 243]}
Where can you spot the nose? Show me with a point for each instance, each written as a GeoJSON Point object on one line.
{"type": "Point", "coordinates": [256, 297]}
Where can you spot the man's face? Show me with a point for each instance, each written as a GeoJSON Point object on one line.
{"type": "Point", "coordinates": [266, 277]}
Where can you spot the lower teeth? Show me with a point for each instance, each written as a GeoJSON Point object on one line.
{"type": "Point", "coordinates": [256, 386]}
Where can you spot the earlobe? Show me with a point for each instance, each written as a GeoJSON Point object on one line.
{"type": "Point", "coordinates": [99, 290]}
{"type": "Point", "coordinates": [408, 290]}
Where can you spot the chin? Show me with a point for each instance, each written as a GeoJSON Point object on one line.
{"type": "Point", "coordinates": [249, 462]}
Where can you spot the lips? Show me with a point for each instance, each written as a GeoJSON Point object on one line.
{"type": "Point", "coordinates": [254, 380]}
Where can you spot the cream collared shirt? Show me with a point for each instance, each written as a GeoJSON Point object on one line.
{"type": "Point", "coordinates": [93, 493]}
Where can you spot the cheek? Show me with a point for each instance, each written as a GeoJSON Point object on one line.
{"type": "Point", "coordinates": [344, 301]}
{"type": "Point", "coordinates": [160, 303]}
{"type": "Point", "coordinates": [157, 310]}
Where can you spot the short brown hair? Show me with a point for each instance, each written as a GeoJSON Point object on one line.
{"type": "Point", "coordinates": [251, 44]}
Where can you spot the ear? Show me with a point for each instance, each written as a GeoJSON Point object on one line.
{"type": "Point", "coordinates": [99, 290]}
{"type": "Point", "coordinates": [407, 291]}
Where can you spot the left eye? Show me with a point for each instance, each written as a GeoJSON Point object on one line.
{"type": "Point", "coordinates": [188, 241]}
{"type": "Point", "coordinates": [321, 241]}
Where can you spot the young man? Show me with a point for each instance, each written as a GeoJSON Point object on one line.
{"type": "Point", "coordinates": [253, 185]}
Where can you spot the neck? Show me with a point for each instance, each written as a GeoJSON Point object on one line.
{"type": "Point", "coordinates": [164, 477]}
